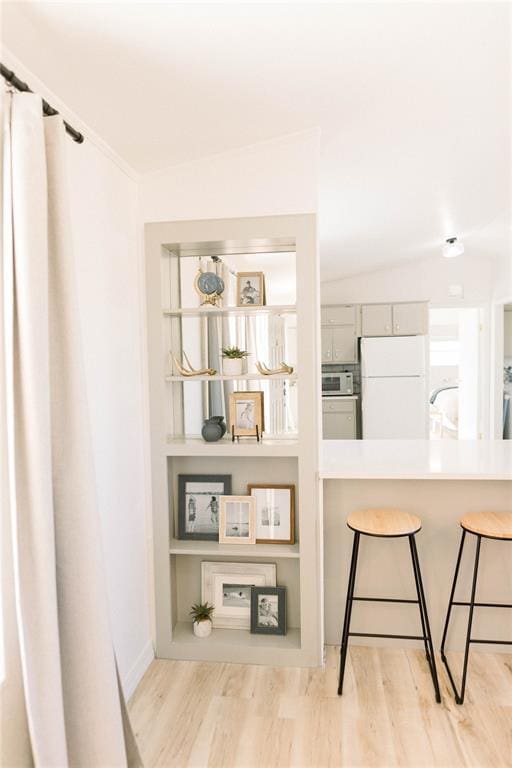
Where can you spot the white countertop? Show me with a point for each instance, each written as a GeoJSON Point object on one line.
{"type": "Point", "coordinates": [416, 459]}
{"type": "Point", "coordinates": [326, 398]}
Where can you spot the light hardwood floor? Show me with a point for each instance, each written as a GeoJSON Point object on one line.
{"type": "Point", "coordinates": [236, 716]}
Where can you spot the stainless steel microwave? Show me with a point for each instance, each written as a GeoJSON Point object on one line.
{"type": "Point", "coordinates": [337, 384]}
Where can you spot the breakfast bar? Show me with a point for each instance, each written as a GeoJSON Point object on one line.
{"type": "Point", "coordinates": [439, 481]}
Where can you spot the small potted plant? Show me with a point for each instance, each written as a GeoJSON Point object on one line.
{"type": "Point", "coordinates": [234, 361]}
{"type": "Point", "coordinates": [202, 616]}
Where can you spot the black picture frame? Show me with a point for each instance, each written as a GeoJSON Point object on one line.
{"type": "Point", "coordinates": [259, 628]}
{"type": "Point", "coordinates": [184, 531]}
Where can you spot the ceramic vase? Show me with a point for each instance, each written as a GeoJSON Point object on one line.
{"type": "Point", "coordinates": [213, 429]}
{"type": "Point", "coordinates": [203, 628]}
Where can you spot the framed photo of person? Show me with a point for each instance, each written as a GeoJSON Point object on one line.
{"type": "Point", "coordinates": [250, 289]}
{"type": "Point", "coordinates": [275, 513]}
{"type": "Point", "coordinates": [228, 586]}
{"type": "Point", "coordinates": [237, 520]}
{"type": "Point", "coordinates": [199, 504]}
{"type": "Point", "coordinates": [268, 610]}
{"type": "Point", "coordinates": [246, 414]}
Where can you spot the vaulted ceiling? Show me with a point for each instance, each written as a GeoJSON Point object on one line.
{"type": "Point", "coordinates": [413, 101]}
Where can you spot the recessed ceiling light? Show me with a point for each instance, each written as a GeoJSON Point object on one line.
{"type": "Point", "coordinates": [452, 247]}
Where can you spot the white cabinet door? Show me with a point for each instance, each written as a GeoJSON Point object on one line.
{"type": "Point", "coordinates": [342, 315]}
{"type": "Point", "coordinates": [377, 320]}
{"type": "Point", "coordinates": [410, 319]}
{"type": "Point", "coordinates": [339, 420]}
{"type": "Point", "coordinates": [327, 345]}
{"type": "Point", "coordinates": [344, 344]}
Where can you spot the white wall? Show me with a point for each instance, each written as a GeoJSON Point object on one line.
{"type": "Point", "coordinates": [427, 280]}
{"type": "Point", "coordinates": [106, 243]}
{"type": "Point", "coordinates": [269, 178]}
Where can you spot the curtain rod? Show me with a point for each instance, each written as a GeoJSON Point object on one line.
{"type": "Point", "coordinates": [11, 78]}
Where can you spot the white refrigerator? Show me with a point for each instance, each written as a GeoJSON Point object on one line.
{"type": "Point", "coordinates": [394, 387]}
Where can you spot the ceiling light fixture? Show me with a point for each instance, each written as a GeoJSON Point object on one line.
{"type": "Point", "coordinates": [452, 248]}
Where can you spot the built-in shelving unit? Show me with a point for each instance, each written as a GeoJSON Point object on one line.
{"type": "Point", "coordinates": [291, 455]}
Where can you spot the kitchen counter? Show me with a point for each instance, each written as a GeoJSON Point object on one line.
{"type": "Point", "coordinates": [326, 398]}
{"type": "Point", "coordinates": [416, 459]}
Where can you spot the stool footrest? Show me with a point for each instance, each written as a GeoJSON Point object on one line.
{"type": "Point", "coordinates": [394, 637]}
{"type": "Point", "coordinates": [492, 642]}
{"type": "Point", "coordinates": [385, 600]}
{"type": "Point", "coordinates": [483, 605]}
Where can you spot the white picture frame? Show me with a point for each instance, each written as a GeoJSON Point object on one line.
{"type": "Point", "coordinates": [237, 520]}
{"type": "Point", "coordinates": [216, 580]}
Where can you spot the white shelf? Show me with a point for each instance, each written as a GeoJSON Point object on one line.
{"type": "Point", "coordinates": [277, 309]}
{"type": "Point", "coordinates": [214, 549]}
{"type": "Point", "coordinates": [196, 446]}
{"type": "Point", "coordinates": [243, 377]}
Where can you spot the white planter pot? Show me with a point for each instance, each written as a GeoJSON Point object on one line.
{"type": "Point", "coordinates": [234, 366]}
{"type": "Point", "coordinates": [202, 628]}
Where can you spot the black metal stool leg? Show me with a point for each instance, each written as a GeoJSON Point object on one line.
{"type": "Point", "coordinates": [427, 636]}
{"type": "Point", "coordinates": [348, 610]}
{"type": "Point", "coordinates": [450, 604]}
{"type": "Point", "coordinates": [470, 621]}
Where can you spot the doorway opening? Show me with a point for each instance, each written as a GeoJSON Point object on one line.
{"type": "Point", "coordinates": [455, 373]}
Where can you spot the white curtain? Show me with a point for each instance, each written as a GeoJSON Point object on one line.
{"type": "Point", "coordinates": [74, 713]}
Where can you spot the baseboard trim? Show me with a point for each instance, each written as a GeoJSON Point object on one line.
{"type": "Point", "coordinates": [131, 680]}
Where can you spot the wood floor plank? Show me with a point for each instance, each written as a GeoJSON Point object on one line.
{"type": "Point", "coordinates": [198, 715]}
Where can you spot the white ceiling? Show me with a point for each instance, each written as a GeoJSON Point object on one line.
{"type": "Point", "coordinates": [413, 100]}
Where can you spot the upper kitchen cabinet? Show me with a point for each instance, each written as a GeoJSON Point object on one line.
{"type": "Point", "coordinates": [339, 344]}
{"type": "Point", "coordinates": [406, 319]}
{"type": "Point", "coordinates": [339, 334]}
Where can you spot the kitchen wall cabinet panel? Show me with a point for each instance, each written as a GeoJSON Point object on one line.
{"type": "Point", "coordinates": [339, 344]}
{"type": "Point", "coordinates": [377, 320]}
{"type": "Point", "coordinates": [410, 319]}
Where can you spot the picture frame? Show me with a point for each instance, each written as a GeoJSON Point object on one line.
{"type": "Point", "coordinates": [237, 520]}
{"type": "Point", "coordinates": [268, 610]}
{"type": "Point", "coordinates": [228, 586]}
{"type": "Point", "coordinates": [198, 505]}
{"type": "Point", "coordinates": [246, 414]}
{"type": "Point", "coordinates": [250, 289]}
{"type": "Point", "coordinates": [274, 513]}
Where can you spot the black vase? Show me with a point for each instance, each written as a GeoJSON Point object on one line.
{"type": "Point", "coordinates": [213, 429]}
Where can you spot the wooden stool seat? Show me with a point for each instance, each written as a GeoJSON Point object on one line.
{"type": "Point", "coordinates": [384, 522]}
{"type": "Point", "coordinates": [491, 525]}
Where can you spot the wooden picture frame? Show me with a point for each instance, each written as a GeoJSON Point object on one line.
{"type": "Point", "coordinates": [246, 414]}
{"type": "Point", "coordinates": [237, 520]}
{"type": "Point", "coordinates": [268, 610]}
{"type": "Point", "coordinates": [274, 510]}
{"type": "Point", "coordinates": [196, 515]}
{"type": "Point", "coordinates": [250, 289]}
{"type": "Point", "coordinates": [219, 579]}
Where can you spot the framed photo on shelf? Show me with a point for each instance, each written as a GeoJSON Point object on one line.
{"type": "Point", "coordinates": [198, 505]}
{"type": "Point", "coordinates": [228, 586]}
{"type": "Point", "coordinates": [268, 610]}
{"type": "Point", "coordinates": [246, 414]}
{"type": "Point", "coordinates": [250, 289]}
{"type": "Point", "coordinates": [275, 513]}
{"type": "Point", "coordinates": [237, 520]}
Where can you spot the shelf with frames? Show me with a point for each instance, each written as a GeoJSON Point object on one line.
{"type": "Point", "coordinates": [283, 309]}
{"type": "Point", "coordinates": [215, 549]}
{"type": "Point", "coordinates": [178, 562]}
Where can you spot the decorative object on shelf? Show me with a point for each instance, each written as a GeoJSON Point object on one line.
{"type": "Point", "coordinates": [228, 587]}
{"type": "Point", "coordinates": [275, 513]}
{"type": "Point", "coordinates": [246, 414]}
{"type": "Point", "coordinates": [198, 505]}
{"type": "Point", "coordinates": [213, 429]}
{"type": "Point", "coordinates": [210, 287]}
{"type": "Point", "coordinates": [237, 520]}
{"type": "Point", "coordinates": [283, 368]}
{"type": "Point", "coordinates": [202, 617]}
{"type": "Point", "coordinates": [268, 610]}
{"type": "Point", "coordinates": [188, 370]}
{"type": "Point", "coordinates": [250, 289]}
{"type": "Point", "coordinates": [234, 361]}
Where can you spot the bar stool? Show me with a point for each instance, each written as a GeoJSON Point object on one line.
{"type": "Point", "coordinates": [483, 525]}
{"type": "Point", "coordinates": [387, 523]}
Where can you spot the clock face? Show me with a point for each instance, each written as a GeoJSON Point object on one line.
{"type": "Point", "coordinates": [209, 282]}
